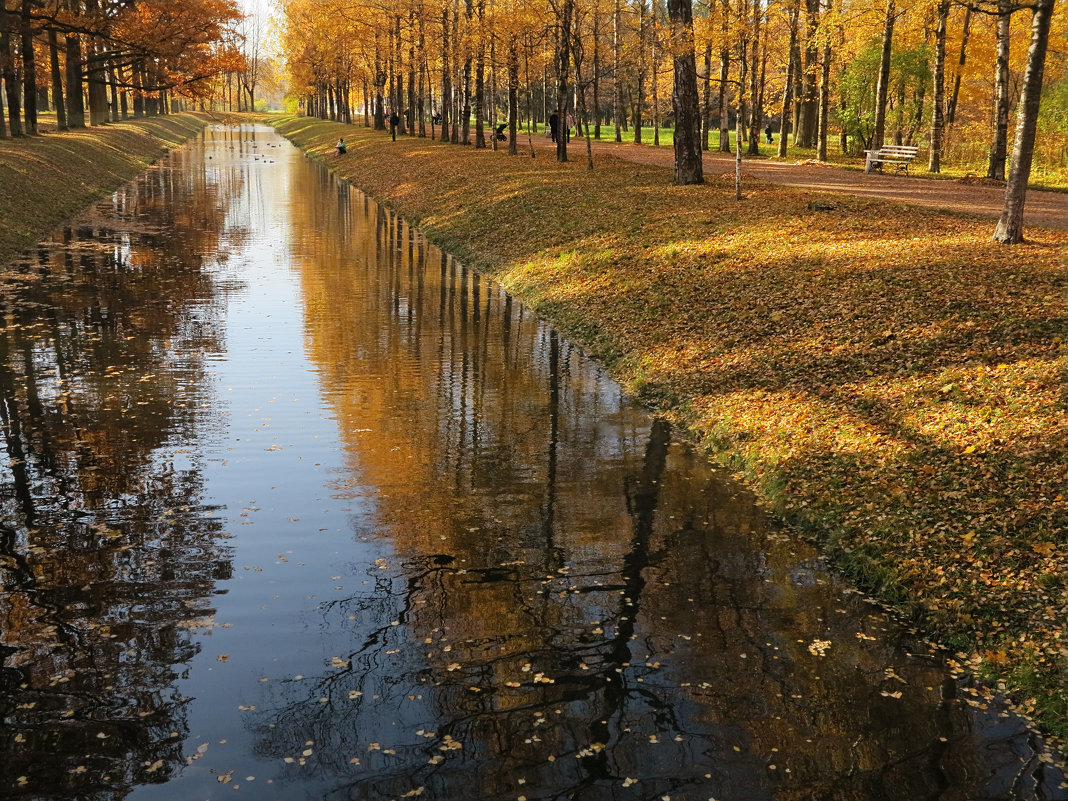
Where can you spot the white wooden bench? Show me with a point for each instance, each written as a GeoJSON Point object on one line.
{"type": "Point", "coordinates": [900, 156]}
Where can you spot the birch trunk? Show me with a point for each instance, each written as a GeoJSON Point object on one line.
{"type": "Point", "coordinates": [1010, 227]}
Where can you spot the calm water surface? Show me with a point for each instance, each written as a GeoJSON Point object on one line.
{"type": "Point", "coordinates": [296, 507]}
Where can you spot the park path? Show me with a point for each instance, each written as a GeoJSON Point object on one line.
{"type": "Point", "coordinates": [1043, 209]}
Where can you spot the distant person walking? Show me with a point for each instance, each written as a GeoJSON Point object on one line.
{"type": "Point", "coordinates": [554, 125]}
{"type": "Point", "coordinates": [767, 134]}
{"type": "Point", "coordinates": [394, 121]}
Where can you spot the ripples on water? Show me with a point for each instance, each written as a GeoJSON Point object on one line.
{"type": "Point", "coordinates": [296, 506]}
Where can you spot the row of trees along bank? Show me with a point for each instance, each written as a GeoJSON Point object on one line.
{"type": "Point", "coordinates": [876, 71]}
{"type": "Point", "coordinates": [97, 61]}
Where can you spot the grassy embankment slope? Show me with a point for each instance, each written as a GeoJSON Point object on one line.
{"type": "Point", "coordinates": [895, 388]}
{"type": "Point", "coordinates": [48, 179]}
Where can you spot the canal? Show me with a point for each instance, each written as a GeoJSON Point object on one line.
{"type": "Point", "coordinates": [294, 506]}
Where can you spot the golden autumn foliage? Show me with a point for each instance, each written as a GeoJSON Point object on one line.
{"type": "Point", "coordinates": [626, 57]}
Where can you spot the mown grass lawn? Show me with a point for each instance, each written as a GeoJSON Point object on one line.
{"type": "Point", "coordinates": [897, 391]}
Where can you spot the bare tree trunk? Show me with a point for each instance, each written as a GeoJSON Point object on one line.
{"type": "Point", "coordinates": [639, 103]}
{"type": "Point", "coordinates": [494, 125]}
{"type": "Point", "coordinates": [563, 61]}
{"type": "Point", "coordinates": [446, 80]}
{"type": "Point", "coordinates": [808, 100]}
{"type": "Point", "coordinates": [724, 75]}
{"type": "Point", "coordinates": [788, 91]}
{"type": "Point", "coordinates": [825, 101]}
{"type": "Point", "coordinates": [684, 98]}
{"type": "Point", "coordinates": [124, 104]}
{"type": "Point", "coordinates": [412, 105]}
{"type": "Point", "coordinates": [466, 112]}
{"type": "Point", "coordinates": [420, 100]}
{"type": "Point", "coordinates": [1010, 227]}
{"type": "Point", "coordinates": [75, 104]}
{"type": "Point", "coordinates": [480, 78]}
{"type": "Point", "coordinates": [934, 161]}
{"type": "Point", "coordinates": [58, 104]}
{"type": "Point", "coordinates": [430, 92]}
{"type": "Point", "coordinates": [706, 105]}
{"type": "Point", "coordinates": [98, 101]}
{"type": "Point", "coordinates": [998, 149]}
{"type": "Point", "coordinates": [513, 96]}
{"type": "Point", "coordinates": [29, 72]}
{"type": "Point", "coordinates": [457, 96]}
{"type": "Point", "coordinates": [582, 122]}
{"type": "Point", "coordinates": [951, 112]}
{"type": "Point", "coordinates": [656, 74]}
{"type": "Point", "coordinates": [884, 76]}
{"type": "Point", "coordinates": [755, 116]}
{"type": "Point", "coordinates": [7, 72]}
{"type": "Point", "coordinates": [617, 67]}
{"type": "Point", "coordinates": [530, 103]}
{"type": "Point", "coordinates": [113, 85]}
{"type": "Point", "coordinates": [597, 75]}
{"type": "Point", "coordinates": [739, 116]}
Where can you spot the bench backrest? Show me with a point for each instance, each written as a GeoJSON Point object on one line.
{"type": "Point", "coordinates": [899, 150]}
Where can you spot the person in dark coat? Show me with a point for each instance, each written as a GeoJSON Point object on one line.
{"type": "Point", "coordinates": [394, 121]}
{"type": "Point", "coordinates": [554, 125]}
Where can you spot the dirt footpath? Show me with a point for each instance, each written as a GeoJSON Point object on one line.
{"type": "Point", "coordinates": [1043, 209]}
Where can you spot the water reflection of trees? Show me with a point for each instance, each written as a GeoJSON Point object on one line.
{"type": "Point", "coordinates": [104, 543]}
{"type": "Point", "coordinates": [572, 601]}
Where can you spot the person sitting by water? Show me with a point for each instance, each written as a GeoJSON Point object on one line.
{"type": "Point", "coordinates": [340, 149]}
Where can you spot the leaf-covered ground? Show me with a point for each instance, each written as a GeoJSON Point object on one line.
{"type": "Point", "coordinates": [888, 379]}
{"type": "Point", "coordinates": [45, 180]}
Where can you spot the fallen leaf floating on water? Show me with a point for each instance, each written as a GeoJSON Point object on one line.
{"type": "Point", "coordinates": [819, 647]}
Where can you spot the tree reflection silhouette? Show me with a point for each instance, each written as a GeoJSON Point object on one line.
{"type": "Point", "coordinates": [106, 552]}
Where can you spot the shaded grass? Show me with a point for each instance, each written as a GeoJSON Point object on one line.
{"type": "Point", "coordinates": [897, 391]}
{"type": "Point", "coordinates": [48, 179]}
